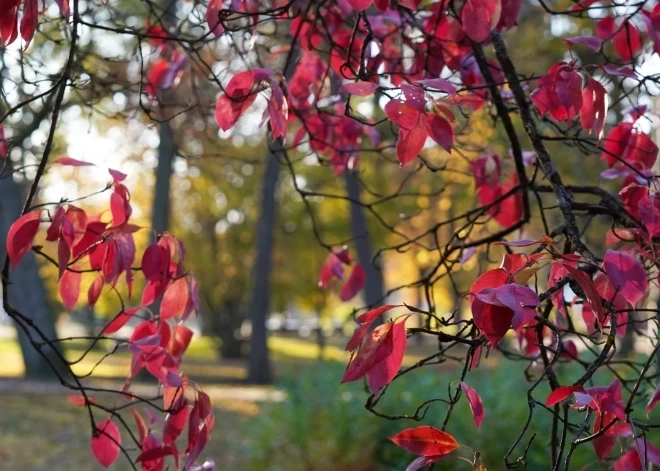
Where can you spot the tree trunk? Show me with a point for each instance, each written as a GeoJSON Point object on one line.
{"type": "Point", "coordinates": [26, 292]}
{"type": "Point", "coordinates": [373, 287]}
{"type": "Point", "coordinates": [259, 368]}
{"type": "Point", "coordinates": [160, 213]}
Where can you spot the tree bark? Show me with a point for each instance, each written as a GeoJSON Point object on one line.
{"type": "Point", "coordinates": [259, 367]}
{"type": "Point", "coordinates": [373, 287]}
{"type": "Point", "coordinates": [26, 292]}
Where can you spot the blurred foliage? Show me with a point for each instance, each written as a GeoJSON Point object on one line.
{"type": "Point", "coordinates": [323, 425]}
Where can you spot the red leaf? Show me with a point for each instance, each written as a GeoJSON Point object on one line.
{"type": "Point", "coordinates": [359, 5]}
{"type": "Point", "coordinates": [212, 17]}
{"type": "Point", "coordinates": [175, 299]}
{"type": "Point", "coordinates": [63, 256]}
{"type": "Point", "coordinates": [106, 442]}
{"type": "Point", "coordinates": [425, 441]}
{"type": "Point", "coordinates": [648, 451]}
{"type": "Point", "coordinates": [80, 401]}
{"type": "Point", "coordinates": [143, 431]}
{"type": "Point", "coordinates": [561, 393]}
{"type": "Point", "coordinates": [591, 42]}
{"type": "Point", "coordinates": [72, 162]}
{"type": "Point", "coordinates": [21, 235]}
{"type": "Point", "coordinates": [29, 20]}
{"type": "Point", "coordinates": [175, 423]}
{"type": "Point", "coordinates": [627, 41]}
{"type": "Point", "coordinates": [359, 88]}
{"type": "Point", "coordinates": [377, 348]}
{"type": "Point", "coordinates": [384, 372]}
{"type": "Point", "coordinates": [152, 454]}
{"type": "Point", "coordinates": [559, 93]}
{"type": "Point", "coordinates": [119, 321]}
{"type": "Point", "coordinates": [402, 113]}
{"type": "Point", "coordinates": [354, 283]}
{"type": "Point", "coordinates": [410, 143]}
{"type": "Point", "coordinates": [439, 84]}
{"type": "Point", "coordinates": [70, 288]}
{"type": "Point", "coordinates": [476, 405]}
{"type": "Point", "coordinates": [117, 176]}
{"type": "Point", "coordinates": [94, 290]}
{"type": "Point", "coordinates": [521, 300]}
{"type": "Point", "coordinates": [440, 131]}
{"type": "Point", "coordinates": [590, 291]}
{"type": "Point", "coordinates": [655, 398]}
{"type": "Point", "coordinates": [604, 443]}
{"type": "Point", "coordinates": [626, 274]}
{"type": "Point", "coordinates": [365, 319]}
{"type": "Point", "coordinates": [151, 262]}
{"type": "Point", "coordinates": [479, 18]}
{"type": "Point", "coordinates": [594, 107]}
{"type": "Point", "coordinates": [629, 461]}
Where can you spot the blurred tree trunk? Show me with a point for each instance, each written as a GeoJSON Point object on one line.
{"type": "Point", "coordinates": [228, 325]}
{"type": "Point", "coordinates": [259, 367]}
{"type": "Point", "coordinates": [320, 335]}
{"type": "Point", "coordinates": [26, 291]}
{"type": "Point", "coordinates": [373, 287]}
{"type": "Point", "coordinates": [160, 212]}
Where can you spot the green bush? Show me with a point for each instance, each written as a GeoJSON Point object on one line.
{"type": "Point", "coordinates": [323, 425]}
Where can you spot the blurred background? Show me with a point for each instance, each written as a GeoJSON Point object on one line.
{"type": "Point", "coordinates": [287, 411]}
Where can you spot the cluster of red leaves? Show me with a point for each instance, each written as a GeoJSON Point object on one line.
{"type": "Point", "coordinates": [606, 402]}
{"type": "Point", "coordinates": [377, 353]}
{"type": "Point", "coordinates": [158, 343]}
{"type": "Point", "coordinates": [242, 91]}
{"type": "Point", "coordinates": [487, 171]}
{"type": "Point", "coordinates": [334, 268]}
{"type": "Point", "coordinates": [9, 13]}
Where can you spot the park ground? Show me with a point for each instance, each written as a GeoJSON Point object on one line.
{"type": "Point", "coordinates": [306, 421]}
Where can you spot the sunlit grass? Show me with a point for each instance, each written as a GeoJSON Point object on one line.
{"type": "Point", "coordinates": [201, 359]}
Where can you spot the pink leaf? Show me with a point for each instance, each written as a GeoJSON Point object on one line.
{"type": "Point", "coordinates": [476, 405]}
{"type": "Point", "coordinates": [354, 283]}
{"type": "Point", "coordinates": [106, 442]}
{"type": "Point", "coordinates": [21, 235]}
{"type": "Point", "coordinates": [70, 288]}
{"type": "Point", "coordinates": [359, 88]}
{"type": "Point", "coordinates": [72, 162]}
{"type": "Point", "coordinates": [626, 274]}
